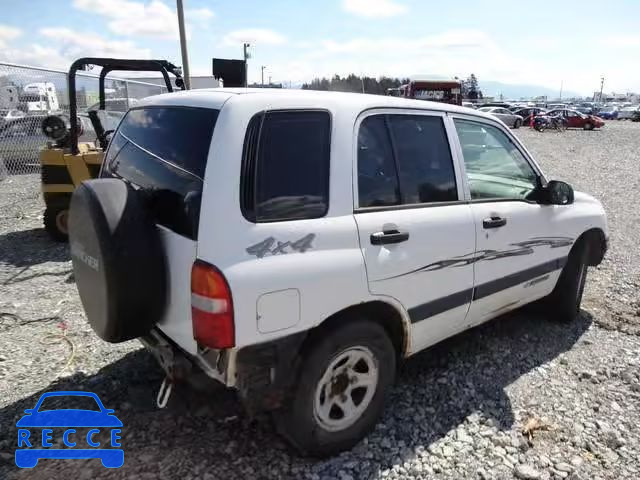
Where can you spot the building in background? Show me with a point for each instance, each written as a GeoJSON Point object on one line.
{"type": "Point", "coordinates": [204, 81]}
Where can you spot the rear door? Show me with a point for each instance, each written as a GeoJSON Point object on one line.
{"type": "Point", "coordinates": [416, 232]}
{"type": "Point", "coordinates": [163, 150]}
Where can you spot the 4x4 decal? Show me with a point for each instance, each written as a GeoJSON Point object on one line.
{"type": "Point", "coordinates": [271, 246]}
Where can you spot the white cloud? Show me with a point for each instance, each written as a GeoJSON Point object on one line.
{"type": "Point", "coordinates": [153, 19]}
{"type": "Point", "coordinates": [258, 36]}
{"type": "Point", "coordinates": [199, 14]}
{"type": "Point", "coordinates": [622, 41]}
{"type": "Point", "coordinates": [374, 8]}
{"type": "Point", "coordinates": [7, 34]}
{"type": "Point", "coordinates": [66, 45]}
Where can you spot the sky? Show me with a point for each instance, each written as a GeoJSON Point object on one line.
{"type": "Point", "coordinates": [548, 43]}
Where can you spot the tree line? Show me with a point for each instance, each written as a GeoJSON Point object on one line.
{"type": "Point", "coordinates": [379, 86]}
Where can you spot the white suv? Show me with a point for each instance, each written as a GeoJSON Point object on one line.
{"type": "Point", "coordinates": [298, 245]}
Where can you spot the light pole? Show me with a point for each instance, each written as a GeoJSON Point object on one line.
{"type": "Point", "coordinates": [262, 74]}
{"type": "Point", "coordinates": [601, 87]}
{"type": "Point", "coordinates": [183, 45]}
{"type": "Point", "coordinates": [246, 56]}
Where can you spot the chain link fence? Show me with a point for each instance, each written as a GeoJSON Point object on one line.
{"type": "Point", "coordinates": [29, 94]}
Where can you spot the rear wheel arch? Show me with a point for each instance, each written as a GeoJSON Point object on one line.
{"type": "Point", "coordinates": [377, 311]}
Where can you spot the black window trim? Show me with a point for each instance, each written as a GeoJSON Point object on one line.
{"type": "Point", "coordinates": [244, 173]}
{"type": "Point", "coordinates": [407, 206]}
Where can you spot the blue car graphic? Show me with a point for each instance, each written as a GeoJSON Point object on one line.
{"type": "Point", "coordinates": [68, 419]}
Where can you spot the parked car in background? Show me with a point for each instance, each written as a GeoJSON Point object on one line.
{"type": "Point", "coordinates": [576, 119]}
{"type": "Point", "coordinates": [496, 104]}
{"type": "Point", "coordinates": [10, 113]}
{"type": "Point", "coordinates": [469, 104]}
{"type": "Point", "coordinates": [21, 140]}
{"type": "Point", "coordinates": [608, 113]}
{"type": "Point", "coordinates": [528, 112]}
{"type": "Point", "coordinates": [510, 119]}
{"type": "Point", "coordinates": [627, 112]}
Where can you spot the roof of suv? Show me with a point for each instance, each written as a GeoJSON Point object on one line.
{"type": "Point", "coordinates": [216, 97]}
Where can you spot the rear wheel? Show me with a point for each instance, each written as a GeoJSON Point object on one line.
{"type": "Point", "coordinates": [588, 126]}
{"type": "Point", "coordinates": [340, 395]}
{"type": "Point", "coordinates": [517, 123]}
{"type": "Point", "coordinates": [563, 303]}
{"type": "Point", "coordinates": [56, 218]}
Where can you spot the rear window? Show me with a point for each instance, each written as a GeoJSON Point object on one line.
{"type": "Point", "coordinates": [178, 135]}
{"type": "Point", "coordinates": [164, 151]}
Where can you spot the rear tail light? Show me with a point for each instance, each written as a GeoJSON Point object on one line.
{"type": "Point", "coordinates": [211, 307]}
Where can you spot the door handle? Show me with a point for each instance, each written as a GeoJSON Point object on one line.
{"type": "Point", "coordinates": [389, 236]}
{"type": "Point", "coordinates": [494, 222]}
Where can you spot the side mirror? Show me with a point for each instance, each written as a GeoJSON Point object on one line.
{"type": "Point", "coordinates": [559, 193]}
{"type": "Point", "coordinates": [29, 411]}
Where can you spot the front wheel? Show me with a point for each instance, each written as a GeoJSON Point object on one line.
{"type": "Point", "coordinates": [344, 381]}
{"type": "Point", "coordinates": [539, 127]}
{"type": "Point", "coordinates": [588, 126]}
{"type": "Point", "coordinates": [564, 302]}
{"type": "Point", "coordinates": [56, 218]}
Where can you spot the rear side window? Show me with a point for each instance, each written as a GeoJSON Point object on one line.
{"type": "Point", "coordinates": [164, 151]}
{"type": "Point", "coordinates": [285, 173]}
{"type": "Point", "coordinates": [404, 159]}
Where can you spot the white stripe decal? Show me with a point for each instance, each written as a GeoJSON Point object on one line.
{"type": "Point", "coordinates": [209, 305]}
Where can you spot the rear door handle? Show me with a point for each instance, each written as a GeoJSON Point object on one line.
{"type": "Point", "coordinates": [389, 236]}
{"type": "Point", "coordinates": [494, 222]}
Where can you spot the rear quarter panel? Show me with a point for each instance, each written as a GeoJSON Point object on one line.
{"type": "Point", "coordinates": [329, 275]}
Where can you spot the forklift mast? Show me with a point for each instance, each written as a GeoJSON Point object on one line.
{"type": "Point", "coordinates": [108, 65]}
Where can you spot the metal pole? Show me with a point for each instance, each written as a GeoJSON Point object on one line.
{"type": "Point", "coordinates": [262, 74]}
{"type": "Point", "coordinates": [561, 82]}
{"type": "Point", "coordinates": [246, 56]}
{"type": "Point", "coordinates": [601, 87]}
{"type": "Point", "coordinates": [183, 45]}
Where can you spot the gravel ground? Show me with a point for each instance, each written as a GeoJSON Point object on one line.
{"type": "Point", "coordinates": [457, 412]}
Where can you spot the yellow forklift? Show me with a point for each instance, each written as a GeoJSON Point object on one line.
{"type": "Point", "coordinates": [65, 162]}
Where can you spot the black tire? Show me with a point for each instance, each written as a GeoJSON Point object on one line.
{"type": "Point", "coordinates": [517, 123]}
{"type": "Point", "coordinates": [56, 221]}
{"type": "Point", "coordinates": [118, 259]}
{"type": "Point", "coordinates": [588, 126]}
{"type": "Point", "coordinates": [539, 127]}
{"type": "Point", "coordinates": [298, 419]}
{"type": "Point", "coordinates": [563, 304]}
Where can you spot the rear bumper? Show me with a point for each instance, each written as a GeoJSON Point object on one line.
{"type": "Point", "coordinates": [263, 374]}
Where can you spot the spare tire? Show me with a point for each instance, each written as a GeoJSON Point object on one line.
{"type": "Point", "coordinates": [118, 259]}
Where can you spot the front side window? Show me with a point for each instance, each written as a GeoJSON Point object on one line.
{"type": "Point", "coordinates": [286, 166]}
{"type": "Point", "coordinates": [494, 165]}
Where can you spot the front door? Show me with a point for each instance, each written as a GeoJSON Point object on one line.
{"type": "Point", "coordinates": [521, 245]}
{"type": "Point", "coordinates": [415, 231]}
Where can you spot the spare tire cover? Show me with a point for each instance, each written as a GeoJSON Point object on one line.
{"type": "Point", "coordinates": [118, 259]}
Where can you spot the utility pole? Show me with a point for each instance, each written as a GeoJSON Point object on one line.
{"type": "Point", "coordinates": [561, 82]}
{"type": "Point", "coordinates": [269, 80]}
{"type": "Point", "coordinates": [183, 46]}
{"type": "Point", "coordinates": [262, 74]}
{"type": "Point", "coordinates": [246, 56]}
{"type": "Point", "coordinates": [601, 87]}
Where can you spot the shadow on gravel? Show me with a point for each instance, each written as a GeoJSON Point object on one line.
{"type": "Point", "coordinates": [201, 432]}
{"type": "Point", "coordinates": [27, 248]}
